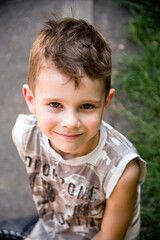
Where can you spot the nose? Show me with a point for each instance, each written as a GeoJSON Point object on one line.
{"type": "Point", "coordinates": [71, 120]}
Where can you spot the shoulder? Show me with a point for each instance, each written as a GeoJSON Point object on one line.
{"type": "Point", "coordinates": [117, 145]}
{"type": "Point", "coordinates": [25, 125]}
{"type": "Point", "coordinates": [123, 161]}
{"type": "Point", "coordinates": [23, 119]}
{"type": "Point", "coordinates": [24, 133]}
{"type": "Point", "coordinates": [26, 121]}
{"type": "Point", "coordinates": [122, 151]}
{"type": "Point", "coordinates": [115, 137]}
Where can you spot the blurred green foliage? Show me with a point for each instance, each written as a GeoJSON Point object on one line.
{"type": "Point", "coordinates": [139, 83]}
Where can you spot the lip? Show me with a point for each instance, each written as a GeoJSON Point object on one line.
{"type": "Point", "coordinates": [69, 136]}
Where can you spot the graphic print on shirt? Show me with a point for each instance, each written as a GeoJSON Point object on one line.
{"type": "Point", "coordinates": [78, 192]}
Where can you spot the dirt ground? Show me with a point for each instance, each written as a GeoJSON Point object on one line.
{"type": "Point", "coordinates": [20, 20]}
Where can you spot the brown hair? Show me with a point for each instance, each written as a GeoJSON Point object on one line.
{"type": "Point", "coordinates": [75, 48]}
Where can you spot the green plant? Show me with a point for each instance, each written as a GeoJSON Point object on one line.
{"type": "Point", "coordinates": [145, 22]}
{"type": "Point", "coordinates": [139, 83]}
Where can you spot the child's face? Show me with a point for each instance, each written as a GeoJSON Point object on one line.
{"type": "Point", "coordinates": [69, 117]}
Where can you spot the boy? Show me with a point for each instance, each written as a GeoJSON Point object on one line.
{"type": "Point", "coordinates": [84, 175]}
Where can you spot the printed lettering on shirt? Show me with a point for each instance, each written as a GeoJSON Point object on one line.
{"type": "Point", "coordinates": [42, 175]}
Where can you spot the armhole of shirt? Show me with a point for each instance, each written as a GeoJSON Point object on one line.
{"type": "Point", "coordinates": [118, 171]}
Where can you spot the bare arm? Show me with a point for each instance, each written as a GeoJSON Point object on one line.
{"type": "Point", "coordinates": [119, 207]}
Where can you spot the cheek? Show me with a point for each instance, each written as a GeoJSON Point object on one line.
{"type": "Point", "coordinates": [93, 123]}
{"type": "Point", "coordinates": [46, 121]}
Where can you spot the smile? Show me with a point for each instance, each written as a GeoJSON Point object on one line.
{"type": "Point", "coordinates": [69, 136]}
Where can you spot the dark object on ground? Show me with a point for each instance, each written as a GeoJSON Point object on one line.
{"type": "Point", "coordinates": [12, 235]}
{"type": "Point", "coordinates": [17, 229]}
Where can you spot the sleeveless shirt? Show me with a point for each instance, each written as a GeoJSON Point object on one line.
{"type": "Point", "coordinates": [70, 195]}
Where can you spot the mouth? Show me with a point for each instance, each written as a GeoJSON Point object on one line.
{"type": "Point", "coordinates": [69, 136]}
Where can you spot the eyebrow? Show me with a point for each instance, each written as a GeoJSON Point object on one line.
{"type": "Point", "coordinates": [63, 100]}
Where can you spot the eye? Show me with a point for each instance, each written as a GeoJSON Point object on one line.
{"type": "Point", "coordinates": [87, 106]}
{"type": "Point", "coordinates": [55, 105]}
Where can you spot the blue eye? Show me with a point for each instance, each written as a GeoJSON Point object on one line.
{"type": "Point", "coordinates": [55, 105]}
{"type": "Point", "coordinates": [87, 106]}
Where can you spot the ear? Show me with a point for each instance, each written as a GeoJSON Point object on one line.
{"type": "Point", "coordinates": [108, 100]}
{"type": "Point", "coordinates": [29, 97]}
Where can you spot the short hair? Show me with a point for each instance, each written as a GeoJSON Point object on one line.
{"type": "Point", "coordinates": [75, 48]}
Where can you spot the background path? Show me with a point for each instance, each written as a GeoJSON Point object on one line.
{"type": "Point", "coordinates": [19, 22]}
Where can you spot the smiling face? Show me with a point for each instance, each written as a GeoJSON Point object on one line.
{"type": "Point", "coordinates": [69, 117]}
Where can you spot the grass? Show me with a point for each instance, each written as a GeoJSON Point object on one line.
{"type": "Point", "coordinates": [139, 83]}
